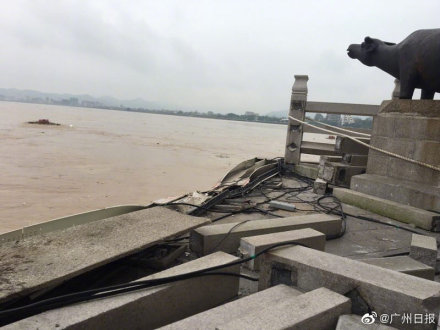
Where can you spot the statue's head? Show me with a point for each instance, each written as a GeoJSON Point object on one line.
{"type": "Point", "coordinates": [365, 52]}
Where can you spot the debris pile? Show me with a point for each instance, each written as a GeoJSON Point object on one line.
{"type": "Point", "coordinates": [43, 122]}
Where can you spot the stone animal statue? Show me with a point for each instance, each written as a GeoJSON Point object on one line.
{"type": "Point", "coordinates": [415, 61]}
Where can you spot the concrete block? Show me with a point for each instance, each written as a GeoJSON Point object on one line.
{"type": "Point", "coordinates": [404, 213]}
{"type": "Point", "coordinates": [307, 170]}
{"type": "Point", "coordinates": [399, 106]}
{"type": "Point", "coordinates": [76, 250]}
{"type": "Point", "coordinates": [426, 108]}
{"type": "Point", "coordinates": [345, 172]}
{"type": "Point", "coordinates": [345, 145]}
{"type": "Point", "coordinates": [339, 174]}
{"type": "Point", "coordinates": [370, 287]}
{"type": "Point", "coordinates": [417, 127]}
{"type": "Point", "coordinates": [383, 128]}
{"type": "Point", "coordinates": [405, 171]}
{"type": "Point", "coordinates": [319, 186]}
{"type": "Point", "coordinates": [427, 151]}
{"type": "Point", "coordinates": [318, 148]}
{"type": "Point", "coordinates": [251, 245]}
{"type": "Point", "coordinates": [419, 195]}
{"type": "Point", "coordinates": [318, 309]}
{"type": "Point", "coordinates": [226, 237]}
{"type": "Point", "coordinates": [247, 287]}
{"type": "Point", "coordinates": [410, 129]}
{"type": "Point", "coordinates": [330, 159]}
{"type": "Point", "coordinates": [326, 171]}
{"type": "Point", "coordinates": [403, 264]}
{"type": "Point", "coordinates": [355, 160]}
{"type": "Point", "coordinates": [404, 147]}
{"type": "Point", "coordinates": [353, 322]}
{"type": "Point", "coordinates": [149, 308]}
{"type": "Point", "coordinates": [421, 150]}
{"type": "Point", "coordinates": [424, 249]}
{"type": "Point", "coordinates": [377, 163]}
{"type": "Point", "coordinates": [220, 315]}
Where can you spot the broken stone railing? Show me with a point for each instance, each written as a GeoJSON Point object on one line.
{"type": "Point", "coordinates": [299, 106]}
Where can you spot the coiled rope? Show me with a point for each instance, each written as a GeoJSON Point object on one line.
{"type": "Point", "coordinates": [389, 153]}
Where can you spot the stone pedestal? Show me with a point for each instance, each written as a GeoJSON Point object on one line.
{"type": "Point", "coordinates": [409, 128]}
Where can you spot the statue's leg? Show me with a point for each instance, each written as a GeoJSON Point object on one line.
{"type": "Point", "coordinates": [407, 85]}
{"type": "Point", "coordinates": [427, 95]}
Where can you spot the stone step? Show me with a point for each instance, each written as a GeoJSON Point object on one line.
{"type": "Point", "coordinates": [220, 315]}
{"type": "Point", "coordinates": [226, 237]}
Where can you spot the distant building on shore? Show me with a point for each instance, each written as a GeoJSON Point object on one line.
{"type": "Point", "coordinates": [334, 119]}
{"type": "Point", "coordinates": [347, 120]}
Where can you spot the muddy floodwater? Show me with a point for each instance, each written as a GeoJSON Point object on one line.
{"type": "Point", "coordinates": [100, 158]}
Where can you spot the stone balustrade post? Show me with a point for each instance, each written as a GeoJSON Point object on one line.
{"type": "Point", "coordinates": [294, 129]}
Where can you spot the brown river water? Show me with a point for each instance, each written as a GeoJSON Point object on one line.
{"type": "Point", "coordinates": [99, 158]}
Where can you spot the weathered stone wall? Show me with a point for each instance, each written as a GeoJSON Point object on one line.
{"type": "Point", "coordinates": [410, 128]}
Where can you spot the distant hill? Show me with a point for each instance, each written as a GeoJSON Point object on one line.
{"type": "Point", "coordinates": [13, 94]}
{"type": "Point", "coordinates": [278, 114]}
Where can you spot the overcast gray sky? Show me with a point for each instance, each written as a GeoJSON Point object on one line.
{"type": "Point", "coordinates": [222, 56]}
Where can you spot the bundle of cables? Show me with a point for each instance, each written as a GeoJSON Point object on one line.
{"type": "Point", "coordinates": [13, 314]}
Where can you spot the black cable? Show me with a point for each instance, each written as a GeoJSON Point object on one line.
{"type": "Point", "coordinates": [360, 217]}
{"type": "Point", "coordinates": [268, 200]}
{"type": "Point", "coordinates": [241, 191]}
{"type": "Point", "coordinates": [87, 295]}
{"type": "Point", "coordinates": [226, 236]}
{"type": "Point", "coordinates": [331, 210]}
{"type": "Point", "coordinates": [287, 191]}
{"type": "Point", "coordinates": [317, 204]}
{"type": "Point", "coordinates": [267, 212]}
{"type": "Point", "coordinates": [84, 296]}
{"type": "Point", "coordinates": [177, 239]}
{"type": "Point", "coordinates": [222, 217]}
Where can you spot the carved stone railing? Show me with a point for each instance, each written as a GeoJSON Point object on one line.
{"type": "Point", "coordinates": [299, 106]}
{"type": "Point", "coordinates": [298, 103]}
